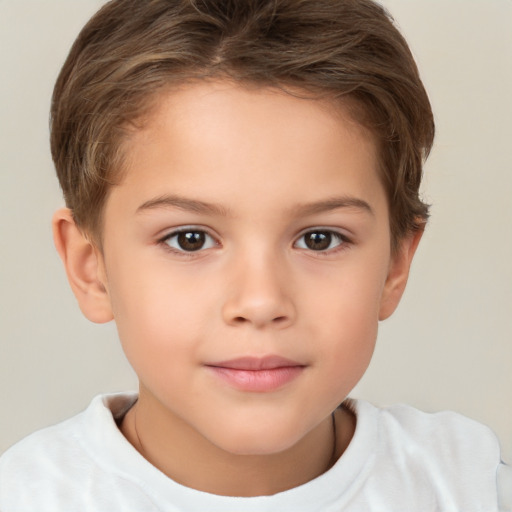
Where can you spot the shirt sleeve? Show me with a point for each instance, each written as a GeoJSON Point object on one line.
{"type": "Point", "coordinates": [504, 487]}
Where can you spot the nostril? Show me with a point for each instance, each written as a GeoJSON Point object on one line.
{"type": "Point", "coordinates": [276, 320]}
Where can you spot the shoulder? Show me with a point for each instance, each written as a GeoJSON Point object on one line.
{"type": "Point", "coordinates": [445, 458]}
{"type": "Point", "coordinates": [452, 434]}
{"type": "Point", "coordinates": [30, 467]}
{"type": "Point", "coordinates": [410, 426]}
{"type": "Point", "coordinates": [48, 463]}
{"type": "Point", "coordinates": [38, 451]}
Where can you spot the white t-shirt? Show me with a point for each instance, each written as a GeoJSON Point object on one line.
{"type": "Point", "coordinates": [399, 460]}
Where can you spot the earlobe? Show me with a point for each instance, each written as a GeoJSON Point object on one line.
{"type": "Point", "coordinates": [398, 274]}
{"type": "Point", "coordinates": [84, 267]}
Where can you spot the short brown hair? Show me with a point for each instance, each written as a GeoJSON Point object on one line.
{"type": "Point", "coordinates": [340, 49]}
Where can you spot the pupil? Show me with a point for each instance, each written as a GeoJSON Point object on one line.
{"type": "Point", "coordinates": [318, 241]}
{"type": "Point", "coordinates": [191, 240]}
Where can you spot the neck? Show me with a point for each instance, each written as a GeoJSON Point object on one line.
{"type": "Point", "coordinates": [195, 462]}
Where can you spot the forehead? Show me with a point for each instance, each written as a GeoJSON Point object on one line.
{"type": "Point", "coordinates": [218, 100]}
{"type": "Point", "coordinates": [219, 138]}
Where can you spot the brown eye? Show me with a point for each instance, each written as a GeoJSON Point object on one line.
{"type": "Point", "coordinates": [320, 240]}
{"type": "Point", "coordinates": [190, 240]}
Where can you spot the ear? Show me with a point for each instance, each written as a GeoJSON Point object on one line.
{"type": "Point", "coordinates": [84, 267]}
{"type": "Point", "coordinates": [398, 273]}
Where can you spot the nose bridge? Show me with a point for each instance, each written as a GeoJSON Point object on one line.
{"type": "Point", "coordinates": [259, 291]}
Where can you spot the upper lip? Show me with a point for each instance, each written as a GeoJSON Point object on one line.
{"type": "Point", "coordinates": [256, 363]}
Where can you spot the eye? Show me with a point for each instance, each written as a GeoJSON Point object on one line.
{"type": "Point", "coordinates": [189, 240]}
{"type": "Point", "coordinates": [320, 240]}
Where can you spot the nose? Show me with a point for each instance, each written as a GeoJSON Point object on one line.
{"type": "Point", "coordinates": [259, 294]}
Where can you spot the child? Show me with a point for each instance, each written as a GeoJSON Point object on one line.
{"type": "Point", "coordinates": [242, 188]}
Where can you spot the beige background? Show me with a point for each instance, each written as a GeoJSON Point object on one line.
{"type": "Point", "coordinates": [450, 344]}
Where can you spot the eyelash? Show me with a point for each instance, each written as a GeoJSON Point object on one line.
{"type": "Point", "coordinates": [164, 241]}
{"type": "Point", "coordinates": [343, 242]}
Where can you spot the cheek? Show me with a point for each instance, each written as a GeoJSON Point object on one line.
{"type": "Point", "coordinates": [346, 320]}
{"type": "Point", "coordinates": [347, 354]}
{"type": "Point", "coordinates": [158, 318]}
{"type": "Point", "coordinates": [348, 298]}
{"type": "Point", "coordinates": [351, 347]}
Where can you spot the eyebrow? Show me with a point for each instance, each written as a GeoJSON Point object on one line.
{"type": "Point", "coordinates": [189, 205]}
{"type": "Point", "coordinates": [333, 204]}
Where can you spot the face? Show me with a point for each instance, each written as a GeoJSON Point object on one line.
{"type": "Point", "coordinates": [246, 259]}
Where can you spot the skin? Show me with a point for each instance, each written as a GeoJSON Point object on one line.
{"type": "Point", "coordinates": [271, 168]}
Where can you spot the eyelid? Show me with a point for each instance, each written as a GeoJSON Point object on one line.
{"type": "Point", "coordinates": [169, 231]}
{"type": "Point", "coordinates": [163, 240]}
{"type": "Point", "coordinates": [344, 239]}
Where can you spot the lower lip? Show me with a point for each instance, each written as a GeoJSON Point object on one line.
{"type": "Point", "coordinates": [258, 381]}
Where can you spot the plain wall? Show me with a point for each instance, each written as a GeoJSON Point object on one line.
{"type": "Point", "coordinates": [449, 346]}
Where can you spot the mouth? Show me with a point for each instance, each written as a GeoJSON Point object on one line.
{"type": "Point", "coordinates": [255, 374]}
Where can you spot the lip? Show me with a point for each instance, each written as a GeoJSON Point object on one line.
{"type": "Point", "coordinates": [257, 374]}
